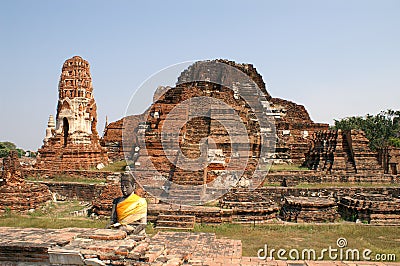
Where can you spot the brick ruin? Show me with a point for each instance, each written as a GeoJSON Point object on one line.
{"type": "Point", "coordinates": [294, 129]}
{"type": "Point", "coordinates": [371, 208]}
{"type": "Point", "coordinates": [239, 205]}
{"type": "Point", "coordinates": [83, 246]}
{"type": "Point", "coordinates": [193, 132]}
{"type": "Point", "coordinates": [339, 156]}
{"type": "Point", "coordinates": [247, 208]}
{"type": "Point", "coordinates": [309, 209]}
{"type": "Point", "coordinates": [394, 161]}
{"type": "Point", "coordinates": [294, 126]}
{"type": "Point", "coordinates": [72, 141]}
{"type": "Point", "coordinates": [342, 151]}
{"type": "Point", "coordinates": [389, 159]}
{"type": "Point", "coordinates": [16, 195]}
{"type": "Point", "coordinates": [102, 204]}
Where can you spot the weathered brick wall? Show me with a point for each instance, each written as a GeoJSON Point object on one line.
{"type": "Point", "coordinates": [294, 129]}
{"type": "Point", "coordinates": [44, 173]}
{"type": "Point", "coordinates": [112, 138]}
{"type": "Point", "coordinates": [309, 209]}
{"type": "Point", "coordinates": [394, 163]}
{"type": "Point", "coordinates": [229, 76]}
{"type": "Point", "coordinates": [293, 178]}
{"type": "Point", "coordinates": [293, 124]}
{"type": "Point", "coordinates": [15, 193]}
{"type": "Point", "coordinates": [202, 214]}
{"type": "Point", "coordinates": [371, 208]}
{"type": "Point", "coordinates": [342, 151]}
{"type": "Point", "coordinates": [276, 194]}
{"type": "Point", "coordinates": [75, 191]}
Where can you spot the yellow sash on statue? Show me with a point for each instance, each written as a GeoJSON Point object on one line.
{"type": "Point", "coordinates": [132, 209]}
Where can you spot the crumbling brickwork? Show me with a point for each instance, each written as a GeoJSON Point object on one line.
{"type": "Point", "coordinates": [394, 161]}
{"type": "Point", "coordinates": [294, 127]}
{"type": "Point", "coordinates": [371, 208]}
{"type": "Point", "coordinates": [112, 138]}
{"type": "Point", "coordinates": [250, 207]}
{"type": "Point", "coordinates": [192, 133]}
{"type": "Point", "coordinates": [15, 194]}
{"type": "Point", "coordinates": [389, 159]}
{"type": "Point", "coordinates": [309, 209]}
{"type": "Point", "coordinates": [342, 151]}
{"type": "Point", "coordinates": [72, 141]}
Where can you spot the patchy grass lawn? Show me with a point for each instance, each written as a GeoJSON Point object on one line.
{"type": "Point", "coordinates": [379, 239]}
{"type": "Point", "coordinates": [345, 184]}
{"type": "Point", "coordinates": [115, 167]}
{"type": "Point", "coordinates": [67, 179]}
{"type": "Point", "coordinates": [52, 215]}
{"type": "Point", "coordinates": [287, 167]}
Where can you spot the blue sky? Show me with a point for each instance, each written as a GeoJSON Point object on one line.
{"type": "Point", "coordinates": [338, 58]}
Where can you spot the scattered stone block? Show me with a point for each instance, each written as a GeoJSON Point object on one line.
{"type": "Point", "coordinates": [65, 257]}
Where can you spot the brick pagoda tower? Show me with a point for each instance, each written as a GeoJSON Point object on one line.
{"type": "Point", "coordinates": [72, 141]}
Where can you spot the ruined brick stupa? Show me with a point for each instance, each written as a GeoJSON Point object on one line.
{"type": "Point", "coordinates": [294, 127]}
{"type": "Point", "coordinates": [72, 141]}
{"type": "Point", "coordinates": [16, 194]}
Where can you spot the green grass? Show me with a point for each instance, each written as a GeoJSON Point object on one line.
{"type": "Point", "coordinates": [344, 184]}
{"type": "Point", "coordinates": [115, 167]}
{"type": "Point", "coordinates": [52, 215]}
{"type": "Point", "coordinates": [379, 239]}
{"type": "Point", "coordinates": [50, 222]}
{"type": "Point", "coordinates": [272, 184]}
{"type": "Point", "coordinates": [287, 167]}
{"type": "Point", "coordinates": [67, 179]}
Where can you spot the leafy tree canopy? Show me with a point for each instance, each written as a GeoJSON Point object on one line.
{"type": "Point", "coordinates": [6, 147]}
{"type": "Point", "coordinates": [382, 130]}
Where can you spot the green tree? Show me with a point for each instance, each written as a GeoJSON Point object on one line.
{"type": "Point", "coordinates": [382, 130]}
{"type": "Point", "coordinates": [6, 147]}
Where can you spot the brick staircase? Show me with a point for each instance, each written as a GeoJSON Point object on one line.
{"type": "Point", "coordinates": [177, 222]}
{"type": "Point", "coordinates": [184, 196]}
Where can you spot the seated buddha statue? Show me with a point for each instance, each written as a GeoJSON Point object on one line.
{"type": "Point", "coordinates": [129, 212]}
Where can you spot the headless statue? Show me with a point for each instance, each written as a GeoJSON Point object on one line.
{"type": "Point", "coordinates": [129, 212]}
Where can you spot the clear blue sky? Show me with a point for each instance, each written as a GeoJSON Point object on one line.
{"type": "Point", "coordinates": [338, 58]}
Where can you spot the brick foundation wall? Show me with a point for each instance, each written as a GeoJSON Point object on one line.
{"type": "Point", "coordinates": [75, 191]}
{"type": "Point", "coordinates": [276, 193]}
{"type": "Point", "coordinates": [44, 173]}
{"type": "Point", "coordinates": [293, 178]}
